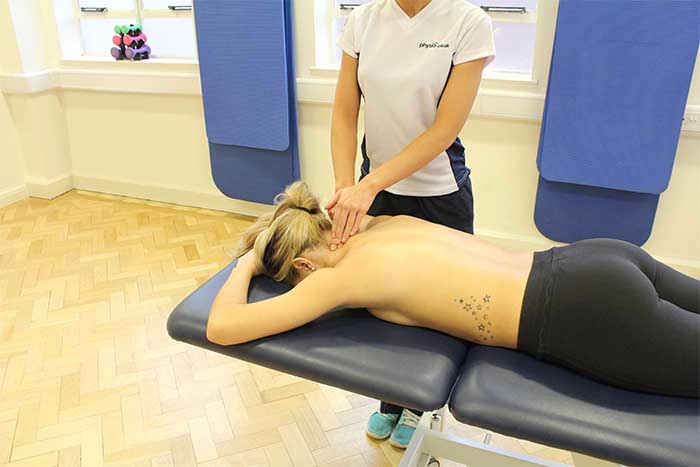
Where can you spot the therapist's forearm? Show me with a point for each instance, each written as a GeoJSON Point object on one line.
{"type": "Point", "coordinates": [343, 150]}
{"type": "Point", "coordinates": [413, 157]}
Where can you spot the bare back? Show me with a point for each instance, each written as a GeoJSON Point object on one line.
{"type": "Point", "coordinates": [412, 272]}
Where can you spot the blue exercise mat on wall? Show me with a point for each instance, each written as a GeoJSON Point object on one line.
{"type": "Point", "coordinates": [246, 60]}
{"type": "Point", "coordinates": [618, 86]}
{"type": "Point", "coordinates": [567, 213]}
{"type": "Point", "coordinates": [617, 91]}
{"type": "Point", "coordinates": [244, 72]}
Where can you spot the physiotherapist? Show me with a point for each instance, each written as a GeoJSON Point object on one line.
{"type": "Point", "coordinates": [418, 65]}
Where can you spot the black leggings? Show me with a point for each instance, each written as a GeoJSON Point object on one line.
{"type": "Point", "coordinates": [608, 310]}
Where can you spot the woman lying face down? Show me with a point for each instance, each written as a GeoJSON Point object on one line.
{"type": "Point", "coordinates": [291, 242]}
{"type": "Point", "coordinates": [602, 307]}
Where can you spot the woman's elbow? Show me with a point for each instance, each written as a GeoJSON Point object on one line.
{"type": "Point", "coordinates": [446, 134]}
{"type": "Point", "coordinates": [220, 335]}
{"type": "Point", "coordinates": [214, 334]}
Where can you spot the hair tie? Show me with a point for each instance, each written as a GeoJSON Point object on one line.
{"type": "Point", "coordinates": [304, 209]}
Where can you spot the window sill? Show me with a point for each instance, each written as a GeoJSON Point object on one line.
{"type": "Point", "coordinates": [152, 76]}
{"type": "Point", "coordinates": [324, 68]}
{"type": "Point", "coordinates": [509, 77]}
{"type": "Point", "coordinates": [488, 77]}
{"type": "Point", "coordinates": [92, 62]}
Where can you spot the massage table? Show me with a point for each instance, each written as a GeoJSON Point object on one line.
{"type": "Point", "coordinates": [493, 388]}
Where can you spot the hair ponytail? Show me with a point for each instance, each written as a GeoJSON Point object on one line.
{"type": "Point", "coordinates": [296, 224]}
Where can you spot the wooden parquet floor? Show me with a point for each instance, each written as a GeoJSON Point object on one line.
{"type": "Point", "coordinates": [89, 376]}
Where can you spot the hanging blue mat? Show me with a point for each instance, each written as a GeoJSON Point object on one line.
{"type": "Point", "coordinates": [247, 72]}
{"type": "Point", "coordinates": [618, 87]}
{"type": "Point", "coordinates": [617, 90]}
{"type": "Point", "coordinates": [570, 212]}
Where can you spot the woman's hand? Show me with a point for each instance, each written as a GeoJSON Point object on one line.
{"type": "Point", "coordinates": [248, 262]}
{"type": "Point", "coordinates": [338, 186]}
{"type": "Point", "coordinates": [347, 208]}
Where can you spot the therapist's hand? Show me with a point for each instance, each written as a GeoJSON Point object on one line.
{"type": "Point", "coordinates": [339, 185]}
{"type": "Point", "coordinates": [347, 209]}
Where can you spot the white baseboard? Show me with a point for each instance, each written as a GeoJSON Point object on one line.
{"type": "Point", "coordinates": [170, 194]}
{"type": "Point", "coordinates": [12, 195]}
{"type": "Point", "coordinates": [49, 188]}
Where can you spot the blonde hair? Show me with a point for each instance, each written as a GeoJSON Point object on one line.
{"type": "Point", "coordinates": [277, 238]}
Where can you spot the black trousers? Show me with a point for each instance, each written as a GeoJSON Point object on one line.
{"type": "Point", "coordinates": [455, 210]}
{"type": "Point", "coordinates": [607, 309]}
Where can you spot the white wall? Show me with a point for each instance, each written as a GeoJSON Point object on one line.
{"type": "Point", "coordinates": [10, 61]}
{"type": "Point", "coordinates": [37, 49]}
{"type": "Point", "coordinates": [12, 186]}
{"type": "Point", "coordinates": [28, 36]}
{"type": "Point", "coordinates": [694, 94]}
{"type": "Point", "coordinates": [43, 137]}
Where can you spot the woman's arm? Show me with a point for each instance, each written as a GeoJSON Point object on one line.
{"type": "Point", "coordinates": [350, 204]}
{"type": "Point", "coordinates": [346, 108]}
{"type": "Point", "coordinates": [233, 321]}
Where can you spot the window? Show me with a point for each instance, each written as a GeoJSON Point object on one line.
{"type": "Point", "coordinates": [167, 24]}
{"type": "Point", "coordinates": [514, 23]}
{"type": "Point", "coordinates": [331, 16]}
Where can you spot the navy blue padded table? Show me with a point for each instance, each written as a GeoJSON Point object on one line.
{"type": "Point", "coordinates": [349, 349]}
{"type": "Point", "coordinates": [514, 394]}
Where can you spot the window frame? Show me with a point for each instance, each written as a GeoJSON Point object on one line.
{"type": "Point", "coordinates": [326, 13]}
{"type": "Point", "coordinates": [139, 12]}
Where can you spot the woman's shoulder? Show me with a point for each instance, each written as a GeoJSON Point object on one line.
{"type": "Point", "coordinates": [370, 221]}
{"type": "Point", "coordinates": [363, 13]}
{"type": "Point", "coordinates": [464, 10]}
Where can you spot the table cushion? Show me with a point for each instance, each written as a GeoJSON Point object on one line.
{"type": "Point", "coordinates": [517, 395]}
{"type": "Point", "coordinates": [349, 349]}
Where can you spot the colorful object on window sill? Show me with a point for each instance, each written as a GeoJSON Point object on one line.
{"type": "Point", "coordinates": [130, 42]}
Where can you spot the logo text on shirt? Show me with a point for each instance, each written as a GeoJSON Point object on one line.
{"type": "Point", "coordinates": [432, 45]}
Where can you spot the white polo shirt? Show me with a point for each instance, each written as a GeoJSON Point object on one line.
{"type": "Point", "coordinates": [403, 68]}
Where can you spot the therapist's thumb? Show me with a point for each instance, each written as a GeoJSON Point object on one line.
{"type": "Point", "coordinates": [333, 201]}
